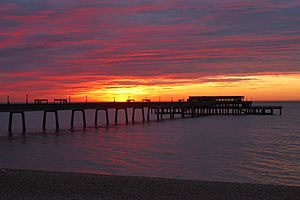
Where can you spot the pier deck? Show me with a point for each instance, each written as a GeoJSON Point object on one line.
{"type": "Point", "coordinates": [193, 108]}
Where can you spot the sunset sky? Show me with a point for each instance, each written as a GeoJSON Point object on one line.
{"type": "Point", "coordinates": [149, 48]}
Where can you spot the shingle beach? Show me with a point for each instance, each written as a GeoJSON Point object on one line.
{"type": "Point", "coordinates": [27, 184]}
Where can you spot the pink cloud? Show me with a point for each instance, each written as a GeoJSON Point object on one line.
{"type": "Point", "coordinates": [78, 45]}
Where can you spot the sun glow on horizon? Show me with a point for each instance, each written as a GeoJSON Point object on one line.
{"type": "Point", "coordinates": [258, 87]}
{"type": "Point", "coordinates": [284, 87]}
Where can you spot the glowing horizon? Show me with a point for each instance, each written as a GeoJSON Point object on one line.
{"type": "Point", "coordinates": [258, 88]}
{"type": "Point", "coordinates": [156, 49]}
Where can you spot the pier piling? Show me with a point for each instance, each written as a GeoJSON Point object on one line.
{"type": "Point", "coordinates": [157, 114]}
{"type": "Point", "coordinates": [148, 114]}
{"type": "Point", "coordinates": [125, 112]}
{"type": "Point", "coordinates": [83, 117]}
{"type": "Point", "coordinates": [11, 122]}
{"type": "Point", "coordinates": [45, 119]}
{"type": "Point", "coordinates": [142, 113]}
{"type": "Point", "coordinates": [133, 114]}
{"type": "Point", "coordinates": [106, 116]}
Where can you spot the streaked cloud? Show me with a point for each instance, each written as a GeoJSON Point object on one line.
{"type": "Point", "coordinates": [75, 47]}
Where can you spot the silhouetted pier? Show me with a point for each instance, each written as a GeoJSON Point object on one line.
{"type": "Point", "coordinates": [194, 107]}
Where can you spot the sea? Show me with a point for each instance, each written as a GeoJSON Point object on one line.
{"type": "Point", "coordinates": [246, 148]}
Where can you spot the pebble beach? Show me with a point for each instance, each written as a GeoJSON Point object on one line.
{"type": "Point", "coordinates": [28, 184]}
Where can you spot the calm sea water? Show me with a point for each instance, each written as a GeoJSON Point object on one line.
{"type": "Point", "coordinates": [255, 149]}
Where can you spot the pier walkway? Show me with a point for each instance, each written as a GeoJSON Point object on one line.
{"type": "Point", "coordinates": [193, 107]}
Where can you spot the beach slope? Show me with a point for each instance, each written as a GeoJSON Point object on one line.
{"type": "Point", "coordinates": [27, 184]}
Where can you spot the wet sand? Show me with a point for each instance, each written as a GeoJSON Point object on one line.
{"type": "Point", "coordinates": [27, 184]}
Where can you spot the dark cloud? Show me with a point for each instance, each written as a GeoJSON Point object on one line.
{"type": "Point", "coordinates": [74, 42]}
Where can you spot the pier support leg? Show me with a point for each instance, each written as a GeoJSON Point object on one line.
{"type": "Point", "coordinates": [96, 118]}
{"type": "Point", "coordinates": [72, 119]}
{"type": "Point", "coordinates": [116, 115]}
{"type": "Point", "coordinates": [23, 123]}
{"type": "Point", "coordinates": [182, 112]}
{"type": "Point", "coordinates": [133, 113]}
{"type": "Point", "coordinates": [171, 113]}
{"type": "Point", "coordinates": [193, 112]}
{"type": "Point", "coordinates": [143, 114]}
{"type": "Point", "coordinates": [126, 115]}
{"type": "Point", "coordinates": [45, 120]}
{"type": "Point", "coordinates": [83, 118]}
{"type": "Point", "coordinates": [10, 123]}
{"type": "Point", "coordinates": [56, 120]}
{"type": "Point", "coordinates": [148, 114]}
{"type": "Point", "coordinates": [107, 117]}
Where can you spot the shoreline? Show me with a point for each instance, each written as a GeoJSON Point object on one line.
{"type": "Point", "coordinates": [31, 184]}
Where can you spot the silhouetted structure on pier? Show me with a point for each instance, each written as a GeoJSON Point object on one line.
{"type": "Point", "coordinates": [195, 106]}
{"type": "Point", "coordinates": [213, 99]}
{"type": "Point", "coordinates": [61, 101]}
{"type": "Point", "coordinates": [41, 101]}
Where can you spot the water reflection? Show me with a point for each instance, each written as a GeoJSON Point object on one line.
{"type": "Point", "coordinates": [258, 149]}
